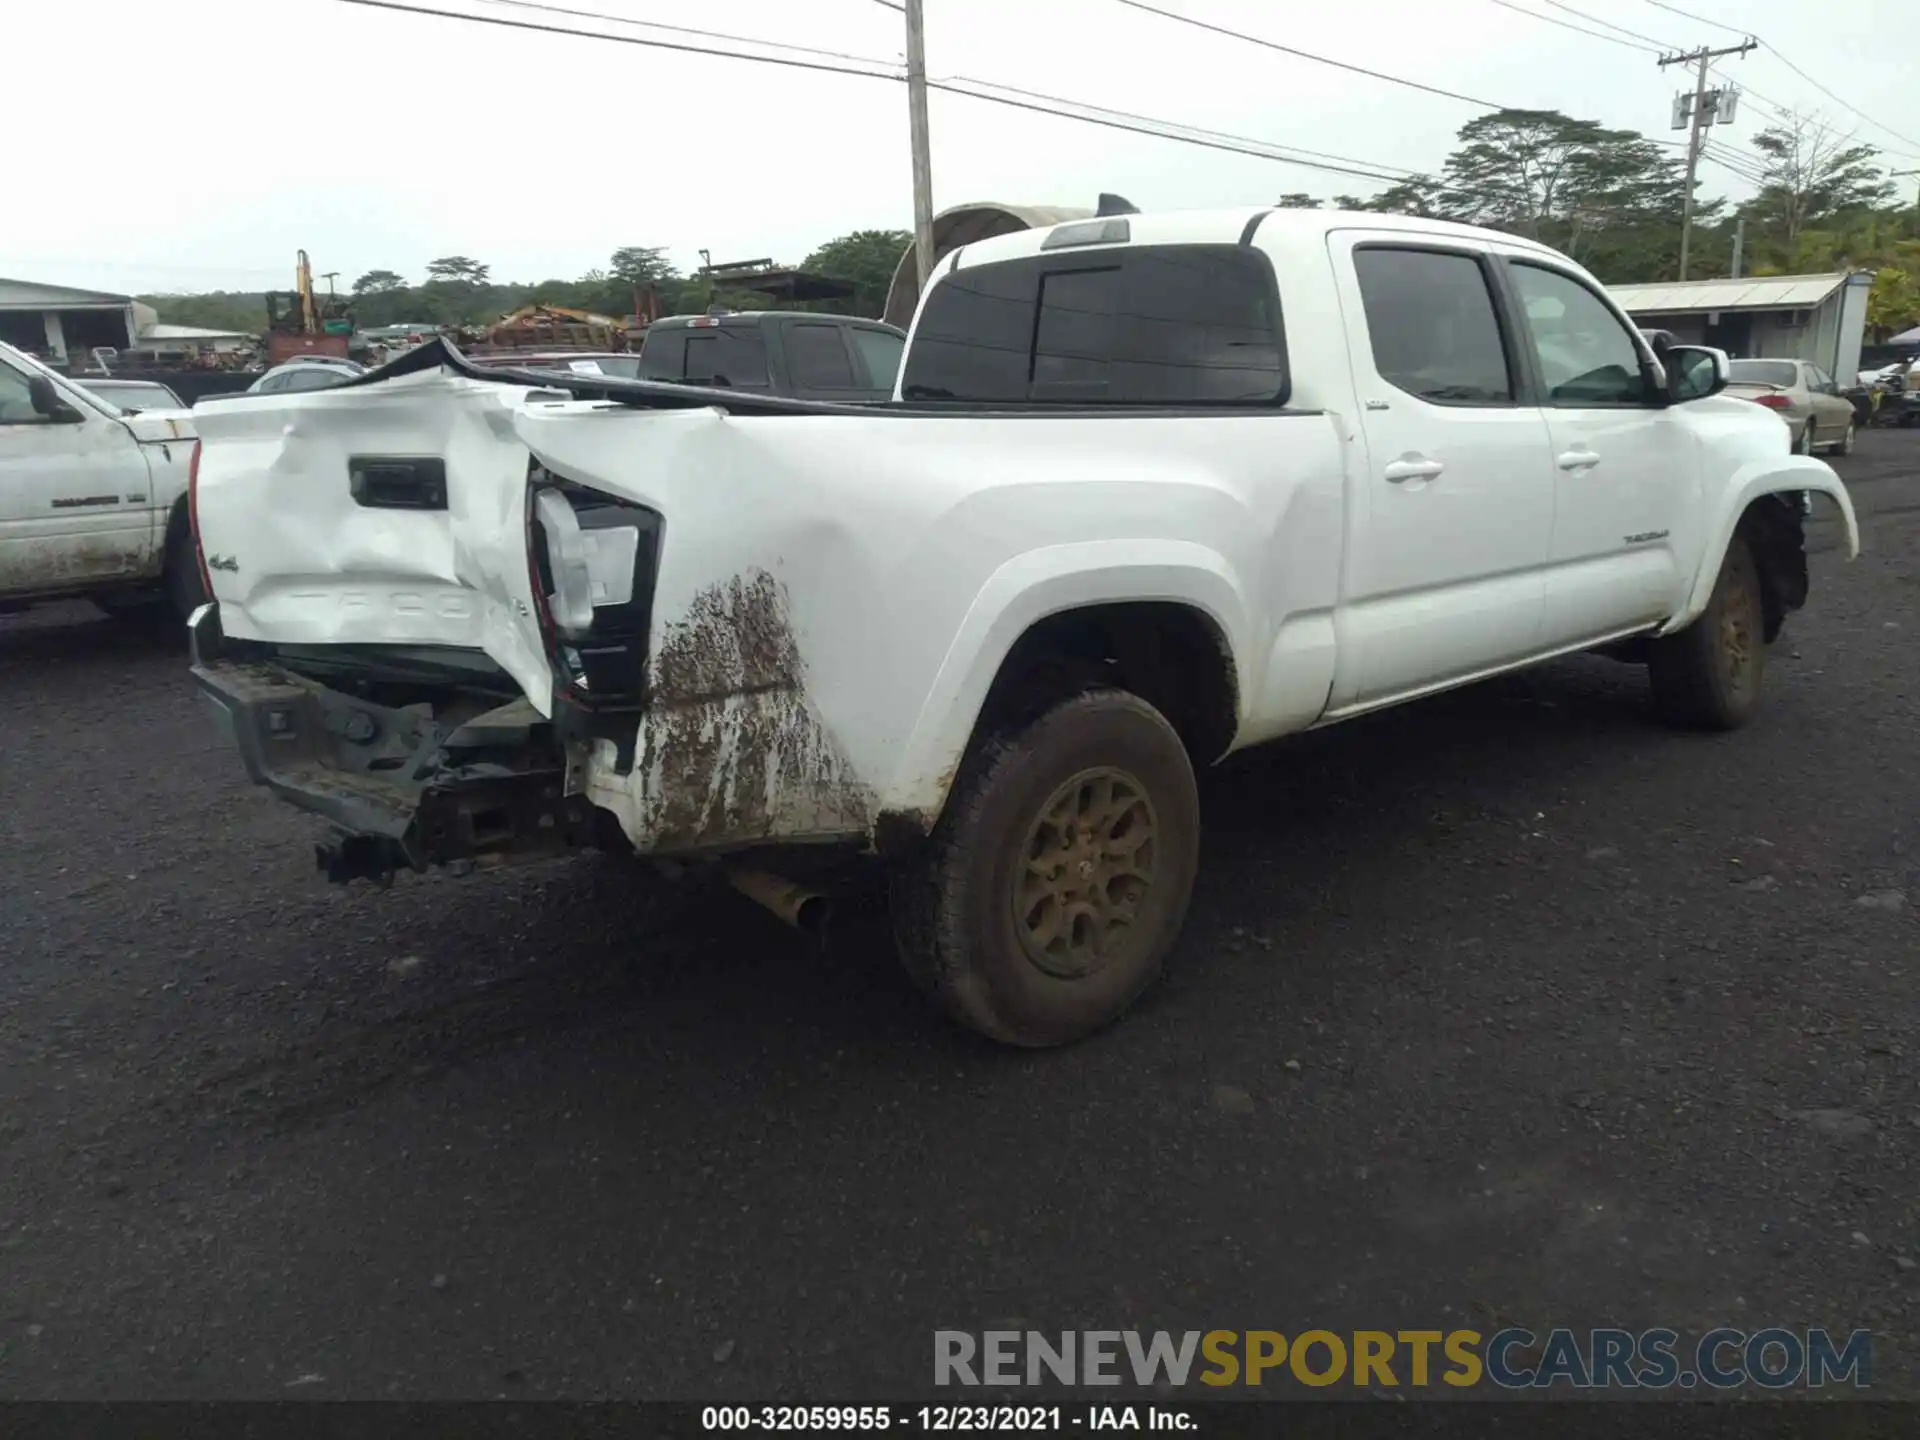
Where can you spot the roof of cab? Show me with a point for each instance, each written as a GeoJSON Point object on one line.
{"type": "Point", "coordinates": [1236, 226]}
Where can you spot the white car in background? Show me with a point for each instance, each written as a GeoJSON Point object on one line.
{"type": "Point", "coordinates": [93, 499]}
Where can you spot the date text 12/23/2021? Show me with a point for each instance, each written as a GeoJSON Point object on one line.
{"type": "Point", "coordinates": [944, 1419]}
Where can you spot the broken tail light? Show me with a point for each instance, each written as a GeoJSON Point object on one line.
{"type": "Point", "coordinates": [593, 560]}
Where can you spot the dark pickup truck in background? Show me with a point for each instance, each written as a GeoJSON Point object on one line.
{"type": "Point", "coordinates": [777, 352]}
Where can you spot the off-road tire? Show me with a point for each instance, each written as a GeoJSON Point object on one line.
{"type": "Point", "coordinates": [956, 904]}
{"type": "Point", "coordinates": [1707, 677]}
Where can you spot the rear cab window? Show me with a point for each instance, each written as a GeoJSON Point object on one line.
{"type": "Point", "coordinates": [730, 356]}
{"type": "Point", "coordinates": [1146, 325]}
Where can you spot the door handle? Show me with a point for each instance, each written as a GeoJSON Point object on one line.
{"type": "Point", "coordinates": [1578, 460]}
{"type": "Point", "coordinates": [1400, 470]}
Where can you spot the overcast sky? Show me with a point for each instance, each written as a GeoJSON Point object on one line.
{"type": "Point", "coordinates": [197, 144]}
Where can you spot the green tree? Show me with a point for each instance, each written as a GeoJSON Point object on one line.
{"type": "Point", "coordinates": [457, 269]}
{"type": "Point", "coordinates": [865, 259]}
{"type": "Point", "coordinates": [218, 310]}
{"type": "Point", "coordinates": [1812, 176]}
{"type": "Point", "coordinates": [1297, 200]}
{"type": "Point", "coordinates": [641, 265]}
{"type": "Point", "coordinates": [378, 282]}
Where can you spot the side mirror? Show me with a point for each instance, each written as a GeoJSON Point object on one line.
{"type": "Point", "coordinates": [1694, 372]}
{"type": "Point", "coordinates": [47, 403]}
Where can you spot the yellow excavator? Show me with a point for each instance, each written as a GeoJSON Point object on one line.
{"type": "Point", "coordinates": [301, 322]}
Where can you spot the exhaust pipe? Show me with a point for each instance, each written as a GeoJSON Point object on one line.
{"type": "Point", "coordinates": [805, 910]}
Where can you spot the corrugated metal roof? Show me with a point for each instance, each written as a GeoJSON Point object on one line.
{"type": "Point", "coordinates": [1761, 292]}
{"type": "Point", "coordinates": [32, 294]}
{"type": "Point", "coordinates": [190, 332]}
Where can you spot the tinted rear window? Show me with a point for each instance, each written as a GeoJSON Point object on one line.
{"type": "Point", "coordinates": [733, 356]}
{"type": "Point", "coordinates": [1762, 372]}
{"type": "Point", "coordinates": [1151, 325]}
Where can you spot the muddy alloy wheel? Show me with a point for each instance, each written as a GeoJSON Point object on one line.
{"type": "Point", "coordinates": [1056, 882]}
{"type": "Point", "coordinates": [1708, 675]}
{"type": "Point", "coordinates": [1090, 863]}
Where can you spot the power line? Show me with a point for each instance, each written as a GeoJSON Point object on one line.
{"type": "Point", "coordinates": [1569, 25]}
{"type": "Point", "coordinates": [1697, 19]}
{"type": "Point", "coordinates": [1836, 99]}
{"type": "Point", "coordinates": [1307, 54]}
{"type": "Point", "coordinates": [1595, 19]}
{"type": "Point", "coordinates": [1033, 101]}
{"type": "Point", "coordinates": [505, 23]}
{"type": "Point", "coordinates": [681, 30]}
{"type": "Point", "coordinates": [1775, 52]}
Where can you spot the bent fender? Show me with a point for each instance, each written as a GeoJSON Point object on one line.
{"type": "Point", "coordinates": [1790, 475]}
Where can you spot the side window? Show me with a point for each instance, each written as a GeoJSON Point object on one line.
{"type": "Point", "coordinates": [273, 384]}
{"type": "Point", "coordinates": [817, 358]}
{"type": "Point", "coordinates": [1433, 326]}
{"type": "Point", "coordinates": [1163, 325]}
{"type": "Point", "coordinates": [1821, 380]}
{"type": "Point", "coordinates": [1587, 356]}
{"type": "Point", "coordinates": [880, 350]}
{"type": "Point", "coordinates": [16, 401]}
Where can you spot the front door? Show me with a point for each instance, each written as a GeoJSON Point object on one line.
{"type": "Point", "coordinates": [74, 507]}
{"type": "Point", "coordinates": [1625, 465]}
{"type": "Point", "coordinates": [1453, 515]}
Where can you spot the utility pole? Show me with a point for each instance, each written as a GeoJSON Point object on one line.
{"type": "Point", "coordinates": [1739, 241]}
{"type": "Point", "coordinates": [917, 133]}
{"type": "Point", "coordinates": [1699, 110]}
{"type": "Point", "coordinates": [1913, 175]}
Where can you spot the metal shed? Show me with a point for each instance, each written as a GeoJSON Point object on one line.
{"type": "Point", "coordinates": [60, 323]}
{"type": "Point", "coordinates": [1818, 318]}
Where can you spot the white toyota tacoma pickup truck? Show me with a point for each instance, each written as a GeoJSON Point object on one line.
{"type": "Point", "coordinates": [92, 497]}
{"type": "Point", "coordinates": [1154, 488]}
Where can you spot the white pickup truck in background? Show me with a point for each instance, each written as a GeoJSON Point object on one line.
{"type": "Point", "coordinates": [93, 499]}
{"type": "Point", "coordinates": [1154, 488]}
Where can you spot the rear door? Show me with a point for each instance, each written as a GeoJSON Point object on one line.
{"type": "Point", "coordinates": [1626, 466]}
{"type": "Point", "coordinates": [75, 502]}
{"type": "Point", "coordinates": [1453, 515]}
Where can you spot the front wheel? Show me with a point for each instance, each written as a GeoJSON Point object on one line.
{"type": "Point", "coordinates": [1057, 880]}
{"type": "Point", "coordinates": [1707, 677]}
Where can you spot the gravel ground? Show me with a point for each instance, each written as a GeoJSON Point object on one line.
{"type": "Point", "coordinates": [1509, 1007]}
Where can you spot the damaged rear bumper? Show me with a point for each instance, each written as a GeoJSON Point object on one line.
{"type": "Point", "coordinates": [400, 789]}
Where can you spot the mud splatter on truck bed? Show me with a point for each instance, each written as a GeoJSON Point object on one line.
{"type": "Point", "coordinates": [732, 752]}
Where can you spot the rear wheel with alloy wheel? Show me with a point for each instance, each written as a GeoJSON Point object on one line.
{"type": "Point", "coordinates": [1058, 877]}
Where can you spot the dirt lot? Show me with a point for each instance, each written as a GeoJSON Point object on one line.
{"type": "Point", "coordinates": [1508, 1007]}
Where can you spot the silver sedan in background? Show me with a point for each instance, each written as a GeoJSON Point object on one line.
{"type": "Point", "coordinates": [1803, 395]}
